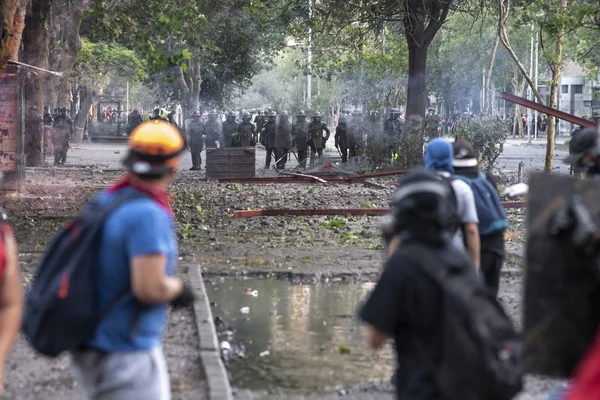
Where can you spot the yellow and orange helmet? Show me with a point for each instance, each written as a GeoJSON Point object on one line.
{"type": "Point", "coordinates": [154, 148]}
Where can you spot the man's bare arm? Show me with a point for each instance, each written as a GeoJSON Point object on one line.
{"type": "Point", "coordinates": [149, 282]}
{"type": "Point", "coordinates": [473, 244]}
{"type": "Point", "coordinates": [375, 339]}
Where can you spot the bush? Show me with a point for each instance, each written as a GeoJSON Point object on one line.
{"type": "Point", "coordinates": [487, 135]}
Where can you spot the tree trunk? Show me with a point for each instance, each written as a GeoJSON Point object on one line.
{"type": "Point", "coordinates": [17, 33]}
{"type": "Point", "coordinates": [82, 116]}
{"type": "Point", "coordinates": [35, 43]}
{"type": "Point", "coordinates": [488, 78]}
{"type": "Point", "coordinates": [8, 9]}
{"type": "Point", "coordinates": [556, 73]}
{"type": "Point", "coordinates": [64, 47]}
{"type": "Point", "coordinates": [417, 89]}
{"type": "Point", "coordinates": [504, 8]}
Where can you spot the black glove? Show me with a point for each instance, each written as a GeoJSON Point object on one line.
{"type": "Point", "coordinates": [186, 297]}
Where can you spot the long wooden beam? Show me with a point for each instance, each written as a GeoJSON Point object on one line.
{"type": "Point", "coordinates": [337, 211]}
{"type": "Point", "coordinates": [357, 178]}
{"type": "Point", "coordinates": [547, 110]}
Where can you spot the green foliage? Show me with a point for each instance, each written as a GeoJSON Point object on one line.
{"type": "Point", "coordinates": [97, 63]}
{"type": "Point", "coordinates": [487, 135]}
{"type": "Point", "coordinates": [335, 223]}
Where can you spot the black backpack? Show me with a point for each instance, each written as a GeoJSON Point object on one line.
{"type": "Point", "coordinates": [482, 354]}
{"type": "Point", "coordinates": [455, 222]}
{"type": "Point", "coordinates": [61, 311]}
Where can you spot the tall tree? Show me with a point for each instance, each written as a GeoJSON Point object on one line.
{"type": "Point", "coordinates": [8, 9]}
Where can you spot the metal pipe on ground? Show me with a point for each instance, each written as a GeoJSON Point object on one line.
{"type": "Point", "coordinates": [338, 211]}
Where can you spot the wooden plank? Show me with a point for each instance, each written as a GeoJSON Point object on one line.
{"type": "Point", "coordinates": [229, 175]}
{"type": "Point", "coordinates": [230, 168]}
{"type": "Point", "coordinates": [243, 161]}
{"type": "Point", "coordinates": [303, 176]}
{"type": "Point", "coordinates": [562, 295]}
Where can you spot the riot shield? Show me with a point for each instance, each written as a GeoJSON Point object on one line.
{"type": "Point", "coordinates": [186, 135]}
{"type": "Point", "coordinates": [562, 294]}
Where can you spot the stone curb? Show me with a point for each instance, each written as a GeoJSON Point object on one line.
{"type": "Point", "coordinates": [216, 374]}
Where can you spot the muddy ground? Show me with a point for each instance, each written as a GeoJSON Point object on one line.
{"type": "Point", "coordinates": [302, 248]}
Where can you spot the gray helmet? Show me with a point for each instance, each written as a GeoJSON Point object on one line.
{"type": "Point", "coordinates": [196, 114]}
{"type": "Point", "coordinates": [212, 114]}
{"type": "Point", "coordinates": [272, 114]}
{"type": "Point", "coordinates": [317, 115]}
{"type": "Point", "coordinates": [230, 115]}
{"type": "Point", "coordinates": [301, 114]}
{"type": "Point", "coordinates": [342, 119]}
{"type": "Point", "coordinates": [246, 117]}
{"type": "Point", "coordinates": [356, 113]}
{"type": "Point", "coordinates": [394, 113]}
{"type": "Point", "coordinates": [284, 113]}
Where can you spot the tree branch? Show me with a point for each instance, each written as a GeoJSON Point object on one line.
{"type": "Point", "coordinates": [502, 18]}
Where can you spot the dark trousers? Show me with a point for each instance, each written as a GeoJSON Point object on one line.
{"type": "Point", "coordinates": [491, 264]}
{"type": "Point", "coordinates": [60, 155]}
{"type": "Point", "coordinates": [344, 151]}
{"type": "Point", "coordinates": [302, 156]}
{"type": "Point", "coordinates": [271, 152]}
{"type": "Point", "coordinates": [281, 156]}
{"type": "Point", "coordinates": [353, 150]}
{"type": "Point", "coordinates": [315, 154]}
{"type": "Point", "coordinates": [196, 160]}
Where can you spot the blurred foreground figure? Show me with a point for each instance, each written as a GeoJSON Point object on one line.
{"type": "Point", "coordinates": [138, 251]}
{"type": "Point", "coordinates": [11, 297]}
{"type": "Point", "coordinates": [452, 339]}
{"type": "Point", "coordinates": [62, 132]}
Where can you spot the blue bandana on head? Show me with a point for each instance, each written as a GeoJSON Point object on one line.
{"type": "Point", "coordinates": [439, 156]}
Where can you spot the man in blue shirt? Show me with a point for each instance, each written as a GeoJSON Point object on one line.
{"type": "Point", "coordinates": [138, 250]}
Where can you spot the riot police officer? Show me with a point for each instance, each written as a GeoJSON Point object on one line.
{"type": "Point", "coordinates": [300, 135]}
{"type": "Point", "coordinates": [246, 133]}
{"type": "Point", "coordinates": [355, 132]}
{"type": "Point", "coordinates": [48, 120]}
{"type": "Point", "coordinates": [392, 132]}
{"type": "Point", "coordinates": [194, 131]}
{"type": "Point", "coordinates": [341, 138]}
{"type": "Point", "coordinates": [267, 138]}
{"type": "Point", "coordinates": [63, 130]}
{"type": "Point", "coordinates": [316, 139]}
{"type": "Point", "coordinates": [157, 114]}
{"type": "Point", "coordinates": [283, 139]}
{"type": "Point", "coordinates": [229, 129]}
{"type": "Point", "coordinates": [213, 130]}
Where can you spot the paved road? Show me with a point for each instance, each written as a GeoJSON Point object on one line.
{"type": "Point", "coordinates": [108, 155]}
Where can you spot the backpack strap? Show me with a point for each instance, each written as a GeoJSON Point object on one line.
{"type": "Point", "coordinates": [105, 212]}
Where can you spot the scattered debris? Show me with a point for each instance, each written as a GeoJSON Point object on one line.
{"type": "Point", "coordinates": [245, 310]}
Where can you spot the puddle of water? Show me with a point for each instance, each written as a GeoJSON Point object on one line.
{"type": "Point", "coordinates": [302, 327]}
